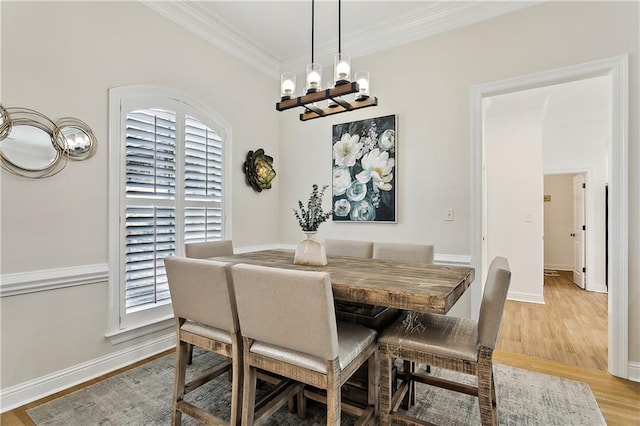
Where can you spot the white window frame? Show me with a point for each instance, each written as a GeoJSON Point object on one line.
{"type": "Point", "coordinates": [122, 326]}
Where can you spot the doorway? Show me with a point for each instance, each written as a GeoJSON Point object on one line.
{"type": "Point", "coordinates": [616, 178]}
{"type": "Point", "coordinates": [565, 230]}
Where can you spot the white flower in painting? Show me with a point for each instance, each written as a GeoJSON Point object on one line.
{"type": "Point", "coordinates": [341, 180]}
{"type": "Point", "coordinates": [347, 150]}
{"type": "Point", "coordinates": [342, 207]}
{"type": "Point", "coordinates": [387, 140]}
{"type": "Point", "coordinates": [377, 167]}
{"type": "Point", "coordinates": [356, 191]}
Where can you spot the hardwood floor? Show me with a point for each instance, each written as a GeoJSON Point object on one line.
{"type": "Point", "coordinates": [570, 328]}
{"type": "Point", "coordinates": [566, 337]}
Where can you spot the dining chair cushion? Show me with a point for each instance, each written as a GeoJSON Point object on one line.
{"type": "Point", "coordinates": [352, 248]}
{"type": "Point", "coordinates": [202, 291]}
{"type": "Point", "coordinates": [308, 325]}
{"type": "Point", "coordinates": [437, 334]}
{"type": "Point", "coordinates": [352, 338]}
{"type": "Point", "coordinates": [206, 331]}
{"type": "Point", "coordinates": [400, 252]}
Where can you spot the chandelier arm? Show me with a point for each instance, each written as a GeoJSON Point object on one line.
{"type": "Point", "coordinates": [339, 26]}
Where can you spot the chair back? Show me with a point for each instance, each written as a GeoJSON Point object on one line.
{"type": "Point", "coordinates": [202, 291]}
{"type": "Point", "coordinates": [204, 250]}
{"type": "Point", "coordinates": [492, 307]}
{"type": "Point", "coordinates": [287, 308]}
{"type": "Point", "coordinates": [351, 248]}
{"type": "Point", "coordinates": [406, 253]}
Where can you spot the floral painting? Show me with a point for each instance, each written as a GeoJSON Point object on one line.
{"type": "Point", "coordinates": [364, 170]}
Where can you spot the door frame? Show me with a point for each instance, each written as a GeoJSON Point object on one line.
{"type": "Point", "coordinates": [618, 263]}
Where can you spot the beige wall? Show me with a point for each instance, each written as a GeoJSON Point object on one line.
{"type": "Point", "coordinates": [60, 58]}
{"type": "Point", "coordinates": [62, 221]}
{"type": "Point", "coordinates": [513, 162]}
{"type": "Point", "coordinates": [427, 84]}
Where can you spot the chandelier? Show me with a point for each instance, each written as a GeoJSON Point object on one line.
{"type": "Point", "coordinates": [341, 85]}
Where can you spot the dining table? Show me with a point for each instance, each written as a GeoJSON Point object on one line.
{"type": "Point", "coordinates": [417, 287]}
{"type": "Point", "coordinates": [373, 292]}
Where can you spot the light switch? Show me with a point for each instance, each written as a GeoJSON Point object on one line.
{"type": "Point", "coordinates": [448, 214]}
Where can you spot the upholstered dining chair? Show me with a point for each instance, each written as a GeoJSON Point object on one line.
{"type": "Point", "coordinates": [289, 328]}
{"type": "Point", "coordinates": [206, 316]}
{"type": "Point", "coordinates": [458, 344]}
{"type": "Point", "coordinates": [401, 252]}
{"type": "Point", "coordinates": [206, 249]}
{"type": "Point", "coordinates": [405, 253]}
{"type": "Point", "coordinates": [351, 248]}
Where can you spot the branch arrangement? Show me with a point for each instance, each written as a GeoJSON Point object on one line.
{"type": "Point", "coordinates": [313, 215]}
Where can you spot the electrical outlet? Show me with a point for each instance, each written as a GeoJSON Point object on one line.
{"type": "Point", "coordinates": [448, 214]}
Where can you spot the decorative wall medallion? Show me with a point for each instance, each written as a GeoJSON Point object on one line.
{"type": "Point", "coordinates": [258, 170]}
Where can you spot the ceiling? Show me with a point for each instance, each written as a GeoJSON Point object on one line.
{"type": "Point", "coordinates": [275, 36]}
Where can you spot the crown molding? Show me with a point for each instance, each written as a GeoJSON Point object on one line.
{"type": "Point", "coordinates": [211, 27]}
{"type": "Point", "coordinates": [434, 18]}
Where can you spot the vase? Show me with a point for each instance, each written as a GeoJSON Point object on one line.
{"type": "Point", "coordinates": [310, 252]}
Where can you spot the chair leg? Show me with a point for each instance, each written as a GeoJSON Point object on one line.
{"type": "Point", "coordinates": [334, 413]}
{"type": "Point", "coordinates": [249, 395]}
{"type": "Point", "coordinates": [302, 405]}
{"type": "Point", "coordinates": [237, 374]}
{"type": "Point", "coordinates": [372, 382]}
{"type": "Point", "coordinates": [386, 386]}
{"type": "Point", "coordinates": [409, 399]}
{"type": "Point", "coordinates": [190, 358]}
{"type": "Point", "coordinates": [178, 386]}
{"type": "Point", "coordinates": [488, 411]}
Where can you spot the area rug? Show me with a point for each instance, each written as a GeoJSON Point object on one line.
{"type": "Point", "coordinates": [142, 396]}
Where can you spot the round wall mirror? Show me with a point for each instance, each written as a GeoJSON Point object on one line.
{"type": "Point", "coordinates": [29, 148]}
{"type": "Point", "coordinates": [33, 146]}
{"type": "Point", "coordinates": [80, 141]}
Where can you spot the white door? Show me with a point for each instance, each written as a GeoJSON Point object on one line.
{"type": "Point", "coordinates": [579, 230]}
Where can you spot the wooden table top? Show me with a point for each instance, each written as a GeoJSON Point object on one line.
{"type": "Point", "coordinates": [411, 286]}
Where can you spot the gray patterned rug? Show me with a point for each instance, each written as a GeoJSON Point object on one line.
{"type": "Point", "coordinates": [142, 396]}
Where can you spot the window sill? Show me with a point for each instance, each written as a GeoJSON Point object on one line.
{"type": "Point", "coordinates": [141, 330]}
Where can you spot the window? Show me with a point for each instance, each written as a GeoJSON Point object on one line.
{"type": "Point", "coordinates": [167, 179]}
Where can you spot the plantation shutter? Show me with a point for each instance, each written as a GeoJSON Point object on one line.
{"type": "Point", "coordinates": [203, 182]}
{"type": "Point", "coordinates": [150, 210]}
{"type": "Point", "coordinates": [161, 193]}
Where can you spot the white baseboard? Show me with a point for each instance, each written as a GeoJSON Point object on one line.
{"type": "Point", "coordinates": [452, 259]}
{"type": "Point", "coordinates": [32, 390]}
{"type": "Point", "coordinates": [634, 371]}
{"type": "Point", "coordinates": [264, 247]}
{"type": "Point", "coordinates": [559, 267]}
{"type": "Point", "coordinates": [525, 297]}
{"type": "Point", "coordinates": [597, 288]}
